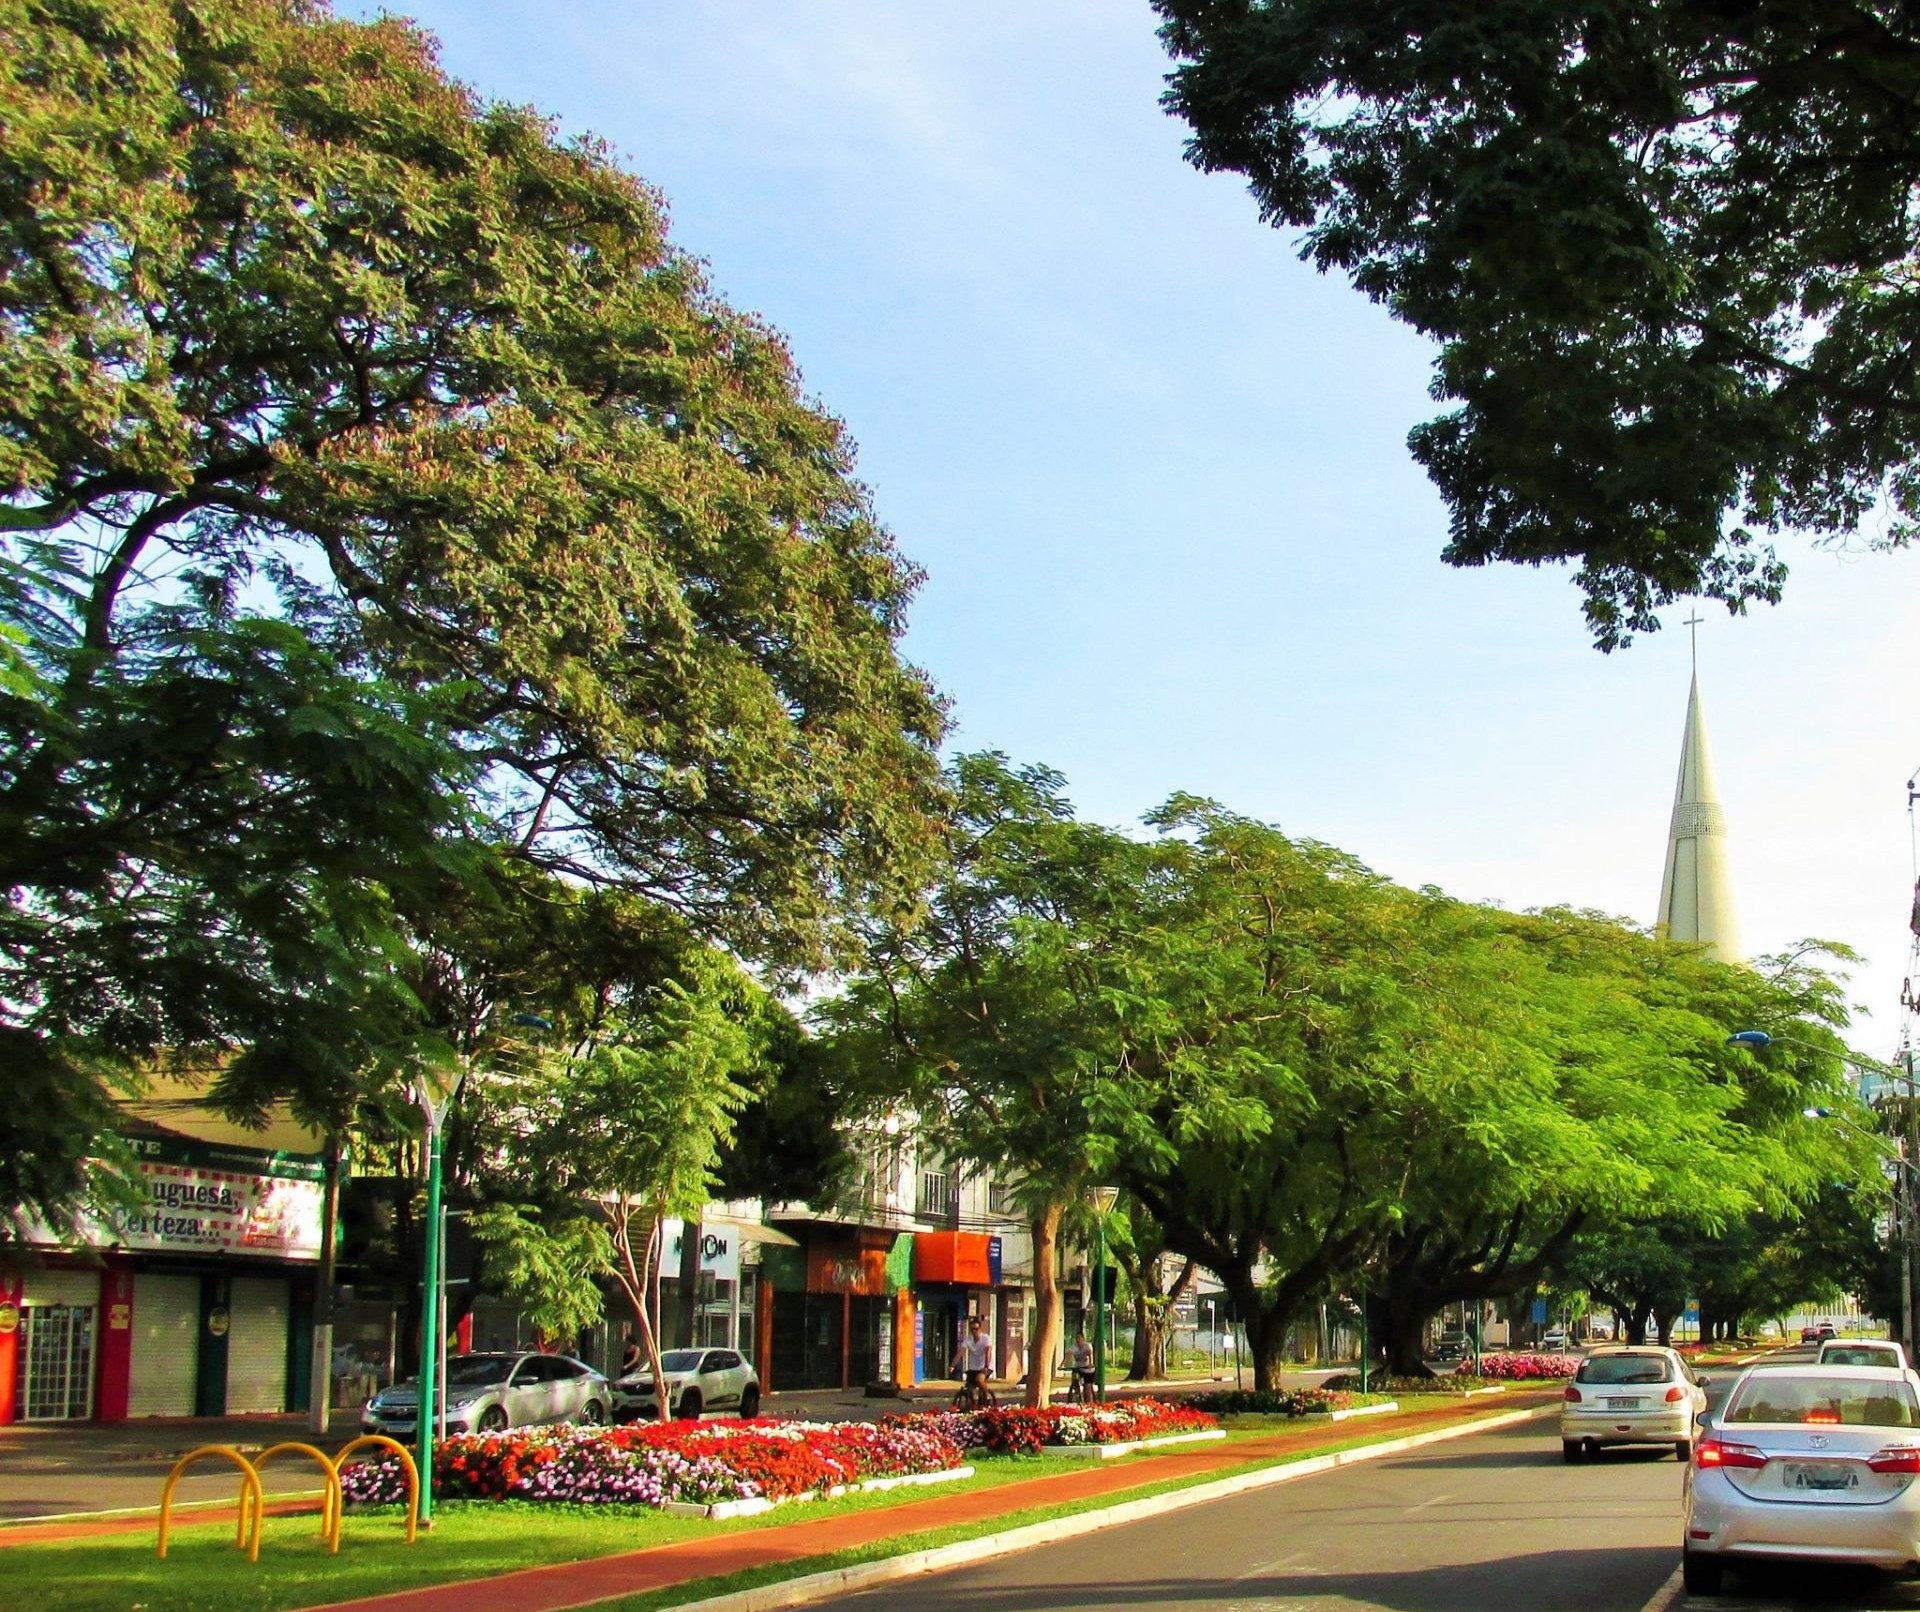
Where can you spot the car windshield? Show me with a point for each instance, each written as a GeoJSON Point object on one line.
{"type": "Point", "coordinates": [1845, 1401]}
{"type": "Point", "coordinates": [1856, 1354]}
{"type": "Point", "coordinates": [681, 1360]}
{"type": "Point", "coordinates": [475, 1371]}
{"type": "Point", "coordinates": [1615, 1369]}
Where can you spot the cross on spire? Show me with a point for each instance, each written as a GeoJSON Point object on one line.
{"type": "Point", "coordinates": [1692, 624]}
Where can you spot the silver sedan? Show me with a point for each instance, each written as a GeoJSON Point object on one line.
{"type": "Point", "coordinates": [489, 1393]}
{"type": "Point", "coordinates": [1809, 1462]}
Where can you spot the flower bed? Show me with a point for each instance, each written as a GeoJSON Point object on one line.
{"type": "Point", "coordinates": [1026, 1430]}
{"type": "Point", "coordinates": [651, 1464]}
{"type": "Point", "coordinates": [1524, 1367]}
{"type": "Point", "coordinates": [1287, 1402]}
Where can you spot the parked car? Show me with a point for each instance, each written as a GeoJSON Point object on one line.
{"type": "Point", "coordinates": [488, 1393]}
{"type": "Point", "coordinates": [1863, 1352]}
{"type": "Point", "coordinates": [1453, 1345]}
{"type": "Point", "coordinates": [697, 1380]}
{"type": "Point", "coordinates": [1630, 1394]}
{"type": "Point", "coordinates": [1554, 1340]}
{"type": "Point", "coordinates": [1805, 1461]}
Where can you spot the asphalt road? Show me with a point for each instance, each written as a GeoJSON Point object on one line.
{"type": "Point", "coordinates": [1487, 1523]}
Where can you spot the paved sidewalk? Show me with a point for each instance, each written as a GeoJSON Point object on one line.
{"type": "Point", "coordinates": [575, 1584]}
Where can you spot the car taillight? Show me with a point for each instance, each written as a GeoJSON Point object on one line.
{"type": "Point", "coordinates": [1571, 1395]}
{"type": "Point", "coordinates": [1717, 1452]}
{"type": "Point", "coordinates": [1675, 1395]}
{"type": "Point", "coordinates": [1901, 1458]}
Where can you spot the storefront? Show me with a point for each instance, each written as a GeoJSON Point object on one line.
{"type": "Point", "coordinates": [957, 1275]}
{"type": "Point", "coordinates": [197, 1303]}
{"type": "Point", "coordinates": [833, 1309]}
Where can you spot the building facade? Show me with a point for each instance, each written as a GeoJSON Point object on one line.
{"type": "Point", "coordinates": [199, 1302]}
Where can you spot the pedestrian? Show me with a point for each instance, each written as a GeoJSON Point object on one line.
{"type": "Point", "coordinates": [1080, 1364]}
{"type": "Point", "coordinates": [976, 1361]}
{"type": "Point", "coordinates": [629, 1352]}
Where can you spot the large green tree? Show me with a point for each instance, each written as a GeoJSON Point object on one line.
{"type": "Point", "coordinates": [1666, 250]}
{"type": "Point", "coordinates": [375, 474]}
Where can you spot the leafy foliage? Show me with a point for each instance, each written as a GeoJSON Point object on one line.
{"type": "Point", "coordinates": [1666, 252]}
{"type": "Point", "coordinates": [378, 481]}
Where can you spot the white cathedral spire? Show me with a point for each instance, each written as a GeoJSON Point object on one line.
{"type": "Point", "coordinates": [1696, 892]}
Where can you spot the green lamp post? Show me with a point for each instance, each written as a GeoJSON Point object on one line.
{"type": "Point", "coordinates": [1104, 1198]}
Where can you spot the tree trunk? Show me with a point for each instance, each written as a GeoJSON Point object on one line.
{"type": "Point", "coordinates": [1634, 1325]}
{"type": "Point", "coordinates": [1044, 1346]}
{"type": "Point", "coordinates": [637, 1280]}
{"type": "Point", "coordinates": [1402, 1329]}
{"type": "Point", "coordinates": [1664, 1325]}
{"type": "Point", "coordinates": [689, 1282]}
{"type": "Point", "coordinates": [1152, 1319]}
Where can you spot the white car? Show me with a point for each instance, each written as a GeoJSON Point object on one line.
{"type": "Point", "coordinates": [1809, 1462]}
{"type": "Point", "coordinates": [1630, 1394]}
{"type": "Point", "coordinates": [1554, 1340]}
{"type": "Point", "coordinates": [698, 1380]}
{"type": "Point", "coordinates": [493, 1391]}
{"type": "Point", "coordinates": [1863, 1352]}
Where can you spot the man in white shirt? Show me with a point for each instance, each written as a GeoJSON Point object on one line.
{"type": "Point", "coordinates": [1080, 1364]}
{"type": "Point", "coordinates": [976, 1360]}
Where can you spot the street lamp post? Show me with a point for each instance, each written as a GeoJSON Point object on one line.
{"type": "Point", "coordinates": [1104, 1199]}
{"type": "Point", "coordinates": [1906, 1198]}
{"type": "Point", "coordinates": [436, 1098]}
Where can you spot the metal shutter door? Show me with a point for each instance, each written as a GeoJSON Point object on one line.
{"type": "Point", "coordinates": [257, 1345]}
{"type": "Point", "coordinates": [166, 1345]}
{"type": "Point", "coordinates": [78, 1288]}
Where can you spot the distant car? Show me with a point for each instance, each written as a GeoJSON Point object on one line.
{"type": "Point", "coordinates": [1862, 1352]}
{"type": "Point", "coordinates": [1453, 1345]}
{"type": "Point", "coordinates": [1813, 1461]}
{"type": "Point", "coordinates": [1819, 1332]}
{"type": "Point", "coordinates": [489, 1393]}
{"type": "Point", "coordinates": [698, 1380]}
{"type": "Point", "coordinates": [1554, 1340]}
{"type": "Point", "coordinates": [1630, 1394]}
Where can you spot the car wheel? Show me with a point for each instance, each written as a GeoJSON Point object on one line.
{"type": "Point", "coordinates": [1570, 1450]}
{"type": "Point", "coordinates": [492, 1420]}
{"type": "Point", "coordinates": [592, 1414]}
{"type": "Point", "coordinates": [1701, 1575]}
{"type": "Point", "coordinates": [689, 1405]}
{"type": "Point", "coordinates": [1682, 1450]}
{"type": "Point", "coordinates": [750, 1402]}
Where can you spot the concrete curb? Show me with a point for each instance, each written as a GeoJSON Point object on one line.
{"type": "Point", "coordinates": [814, 1587]}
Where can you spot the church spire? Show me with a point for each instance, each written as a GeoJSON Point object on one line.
{"type": "Point", "coordinates": [1696, 892]}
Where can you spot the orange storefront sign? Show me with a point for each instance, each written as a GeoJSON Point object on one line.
{"type": "Point", "coordinates": [952, 1256]}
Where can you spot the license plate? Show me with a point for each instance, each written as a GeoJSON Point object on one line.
{"type": "Point", "coordinates": [1823, 1476]}
{"type": "Point", "coordinates": [1623, 1404]}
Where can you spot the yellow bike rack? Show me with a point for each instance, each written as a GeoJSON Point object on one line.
{"type": "Point", "coordinates": [252, 1499]}
{"type": "Point", "coordinates": [406, 1465]}
{"type": "Point", "coordinates": [330, 1505]}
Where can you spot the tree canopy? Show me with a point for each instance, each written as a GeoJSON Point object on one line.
{"type": "Point", "coordinates": [376, 477]}
{"type": "Point", "coordinates": [1666, 251]}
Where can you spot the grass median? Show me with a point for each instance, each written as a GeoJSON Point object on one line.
{"type": "Point", "coordinates": [474, 1540]}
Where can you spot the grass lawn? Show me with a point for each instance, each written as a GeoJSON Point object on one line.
{"type": "Point", "coordinates": [205, 1573]}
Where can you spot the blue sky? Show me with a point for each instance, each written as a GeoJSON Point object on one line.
{"type": "Point", "coordinates": [1155, 470]}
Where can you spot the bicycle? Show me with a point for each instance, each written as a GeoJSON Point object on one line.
{"type": "Point", "coordinates": [974, 1394]}
{"type": "Point", "coordinates": [1079, 1387]}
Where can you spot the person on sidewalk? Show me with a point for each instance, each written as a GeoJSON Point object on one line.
{"type": "Point", "coordinates": [976, 1361]}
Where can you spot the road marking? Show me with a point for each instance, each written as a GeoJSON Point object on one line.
{"type": "Point", "coordinates": [1437, 1500]}
{"type": "Point", "coordinates": [1667, 1596]}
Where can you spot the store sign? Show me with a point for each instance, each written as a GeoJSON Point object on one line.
{"type": "Point", "coordinates": [719, 1250]}
{"type": "Point", "coordinates": [192, 1209]}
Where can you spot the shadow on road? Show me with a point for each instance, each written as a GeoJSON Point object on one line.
{"type": "Point", "coordinates": [1563, 1580]}
{"type": "Point", "coordinates": [1774, 1585]}
{"type": "Point", "coordinates": [1653, 1455]}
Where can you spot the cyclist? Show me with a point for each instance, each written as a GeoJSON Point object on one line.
{"type": "Point", "coordinates": [976, 1363]}
{"type": "Point", "coordinates": [1080, 1364]}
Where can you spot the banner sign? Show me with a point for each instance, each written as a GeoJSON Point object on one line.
{"type": "Point", "coordinates": [191, 1209]}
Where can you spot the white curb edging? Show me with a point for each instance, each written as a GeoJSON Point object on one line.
{"type": "Point", "coordinates": [1352, 1411]}
{"type": "Point", "coordinates": [720, 1510]}
{"type": "Point", "coordinates": [1109, 1452]}
{"type": "Point", "coordinates": [845, 1580]}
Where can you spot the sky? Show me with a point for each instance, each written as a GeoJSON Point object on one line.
{"type": "Point", "coordinates": [1155, 471]}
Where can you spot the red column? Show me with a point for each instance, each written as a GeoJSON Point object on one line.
{"type": "Point", "coordinates": [10, 1295]}
{"type": "Point", "coordinates": [115, 1379]}
{"type": "Point", "coordinates": [763, 1335]}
